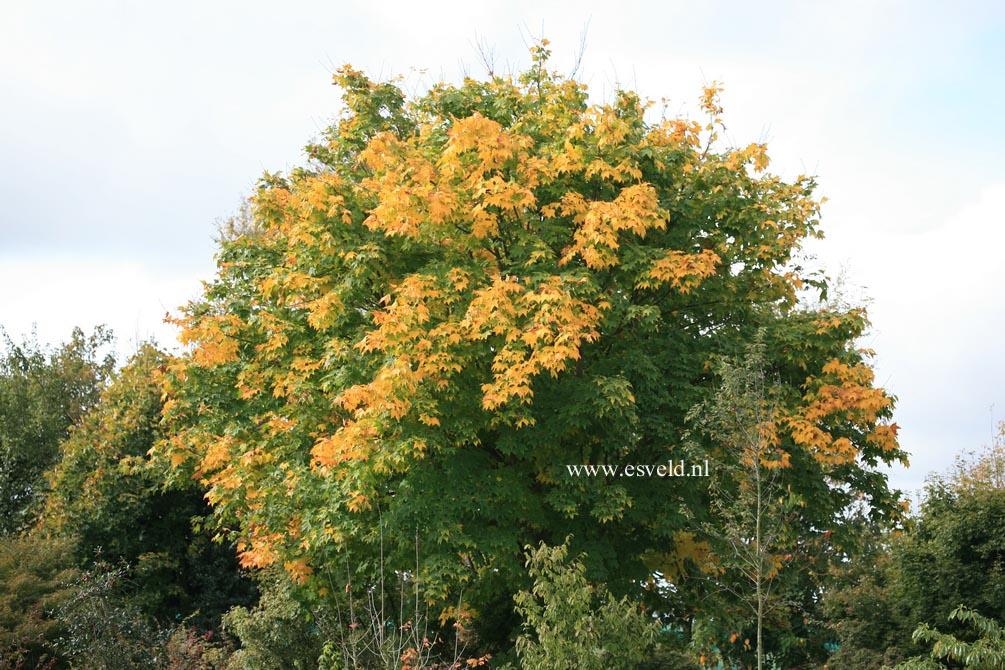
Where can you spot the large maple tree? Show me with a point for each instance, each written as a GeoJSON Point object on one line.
{"type": "Point", "coordinates": [463, 292]}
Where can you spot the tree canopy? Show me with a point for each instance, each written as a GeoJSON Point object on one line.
{"type": "Point", "coordinates": [43, 392]}
{"type": "Point", "coordinates": [462, 292]}
{"type": "Point", "coordinates": [941, 571]}
{"type": "Point", "coordinates": [107, 494]}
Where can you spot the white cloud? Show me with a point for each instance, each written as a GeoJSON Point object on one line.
{"type": "Point", "coordinates": [938, 315]}
{"type": "Point", "coordinates": [58, 294]}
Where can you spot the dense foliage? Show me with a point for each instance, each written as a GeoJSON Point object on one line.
{"type": "Point", "coordinates": [987, 652]}
{"type": "Point", "coordinates": [950, 554]}
{"type": "Point", "coordinates": [105, 487]}
{"type": "Point", "coordinates": [35, 578]}
{"type": "Point", "coordinates": [571, 626]}
{"type": "Point", "coordinates": [462, 293]}
{"type": "Point", "coordinates": [42, 393]}
{"type": "Point", "coordinates": [362, 457]}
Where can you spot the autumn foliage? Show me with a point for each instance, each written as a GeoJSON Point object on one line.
{"type": "Point", "coordinates": [461, 292]}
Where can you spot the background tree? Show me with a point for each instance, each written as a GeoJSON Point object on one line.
{"type": "Point", "coordinates": [42, 393]}
{"type": "Point", "coordinates": [460, 294]}
{"type": "Point", "coordinates": [111, 498]}
{"type": "Point", "coordinates": [867, 621]}
{"type": "Point", "coordinates": [953, 555]}
{"type": "Point", "coordinates": [950, 553]}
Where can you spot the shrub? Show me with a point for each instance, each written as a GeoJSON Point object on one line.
{"type": "Point", "coordinates": [985, 653]}
{"type": "Point", "coordinates": [34, 577]}
{"type": "Point", "coordinates": [104, 630]}
{"type": "Point", "coordinates": [568, 624]}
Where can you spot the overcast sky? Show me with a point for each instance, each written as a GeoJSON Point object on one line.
{"type": "Point", "coordinates": [127, 129]}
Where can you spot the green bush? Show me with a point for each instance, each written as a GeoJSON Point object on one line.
{"type": "Point", "coordinates": [374, 627]}
{"type": "Point", "coordinates": [22, 652]}
{"type": "Point", "coordinates": [570, 625]}
{"type": "Point", "coordinates": [34, 580]}
{"type": "Point", "coordinates": [987, 652]}
{"type": "Point", "coordinates": [278, 633]}
{"type": "Point", "coordinates": [102, 629]}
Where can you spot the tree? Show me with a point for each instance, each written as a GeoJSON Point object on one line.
{"type": "Point", "coordinates": [950, 553]}
{"type": "Point", "coordinates": [954, 553]}
{"type": "Point", "coordinates": [754, 516]}
{"type": "Point", "coordinates": [982, 470]}
{"type": "Point", "coordinates": [42, 393]}
{"type": "Point", "coordinates": [867, 625]}
{"type": "Point", "coordinates": [109, 496]}
{"type": "Point", "coordinates": [462, 293]}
